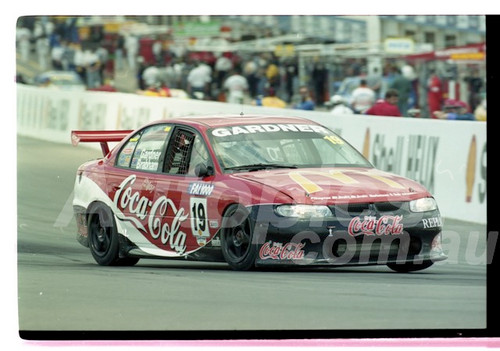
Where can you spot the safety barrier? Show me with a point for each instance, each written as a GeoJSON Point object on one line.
{"type": "Point", "coordinates": [448, 157]}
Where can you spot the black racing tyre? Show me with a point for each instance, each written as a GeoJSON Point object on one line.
{"type": "Point", "coordinates": [103, 238]}
{"type": "Point", "coordinates": [409, 267]}
{"type": "Point", "coordinates": [236, 239]}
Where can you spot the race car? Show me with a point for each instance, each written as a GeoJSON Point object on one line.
{"type": "Point", "coordinates": [252, 191]}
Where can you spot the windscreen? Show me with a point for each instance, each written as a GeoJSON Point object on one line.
{"type": "Point", "coordinates": [253, 147]}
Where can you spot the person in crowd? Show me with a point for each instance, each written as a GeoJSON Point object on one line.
{"type": "Point", "coordinates": [273, 75]}
{"type": "Point", "coordinates": [174, 74]}
{"type": "Point", "coordinates": [403, 85]}
{"type": "Point", "coordinates": [434, 94]}
{"type": "Point", "coordinates": [42, 44]}
{"type": "Point", "coordinates": [261, 82]}
{"type": "Point", "coordinates": [374, 80]}
{"type": "Point", "coordinates": [198, 80]}
{"type": "Point", "coordinates": [339, 106]}
{"type": "Point", "coordinates": [79, 62]}
{"type": "Point", "coordinates": [387, 106]}
{"type": "Point", "coordinates": [23, 35]}
{"type": "Point", "coordinates": [236, 86]}
{"type": "Point", "coordinates": [132, 48]}
{"type": "Point", "coordinates": [42, 51]}
{"type": "Point", "coordinates": [157, 49]}
{"type": "Point", "coordinates": [119, 50]}
{"type": "Point", "coordinates": [103, 56]}
{"type": "Point", "coordinates": [475, 86]}
{"type": "Point", "coordinates": [362, 97]}
{"type": "Point", "coordinates": [153, 85]}
{"type": "Point", "coordinates": [319, 78]}
{"type": "Point", "coordinates": [480, 111]}
{"type": "Point", "coordinates": [291, 76]}
{"type": "Point", "coordinates": [150, 76]}
{"type": "Point", "coordinates": [250, 71]}
{"type": "Point", "coordinates": [223, 66]}
{"type": "Point", "coordinates": [306, 102]}
{"type": "Point", "coordinates": [454, 110]}
{"type": "Point", "coordinates": [271, 100]}
{"type": "Point", "coordinates": [93, 71]}
{"type": "Point", "coordinates": [57, 54]}
{"type": "Point", "coordinates": [68, 57]}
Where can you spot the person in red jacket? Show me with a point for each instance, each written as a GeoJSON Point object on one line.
{"type": "Point", "coordinates": [386, 107]}
{"type": "Point", "coordinates": [434, 94]}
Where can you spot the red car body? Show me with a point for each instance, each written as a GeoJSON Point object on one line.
{"type": "Point", "coordinates": [171, 190]}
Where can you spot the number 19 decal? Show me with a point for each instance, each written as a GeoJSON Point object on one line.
{"type": "Point", "coordinates": [199, 220]}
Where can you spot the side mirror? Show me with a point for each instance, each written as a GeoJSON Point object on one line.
{"type": "Point", "coordinates": [202, 170]}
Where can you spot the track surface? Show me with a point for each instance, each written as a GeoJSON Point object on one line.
{"type": "Point", "coordinates": [61, 288]}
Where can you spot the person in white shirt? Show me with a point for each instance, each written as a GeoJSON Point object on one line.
{"type": "Point", "coordinates": [236, 85]}
{"type": "Point", "coordinates": [362, 97]}
{"type": "Point", "coordinates": [150, 76]}
{"type": "Point", "coordinates": [197, 79]}
{"type": "Point", "coordinates": [92, 65]}
{"type": "Point", "coordinates": [339, 106]}
{"type": "Point", "coordinates": [223, 66]}
{"type": "Point", "coordinates": [132, 48]}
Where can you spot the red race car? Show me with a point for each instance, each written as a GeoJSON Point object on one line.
{"type": "Point", "coordinates": [250, 191]}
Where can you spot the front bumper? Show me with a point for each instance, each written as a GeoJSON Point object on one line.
{"type": "Point", "coordinates": [363, 234]}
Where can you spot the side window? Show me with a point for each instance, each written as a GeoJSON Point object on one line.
{"type": "Point", "coordinates": [126, 153]}
{"type": "Point", "coordinates": [199, 154]}
{"type": "Point", "coordinates": [144, 150]}
{"type": "Point", "coordinates": [185, 152]}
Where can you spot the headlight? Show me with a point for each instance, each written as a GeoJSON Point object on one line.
{"type": "Point", "coordinates": [423, 205]}
{"type": "Point", "coordinates": [303, 211]}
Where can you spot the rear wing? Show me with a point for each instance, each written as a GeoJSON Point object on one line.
{"type": "Point", "coordinates": [98, 136]}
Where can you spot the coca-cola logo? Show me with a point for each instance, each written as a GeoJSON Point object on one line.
{"type": "Point", "coordinates": [143, 210]}
{"type": "Point", "coordinates": [280, 251]}
{"type": "Point", "coordinates": [370, 225]}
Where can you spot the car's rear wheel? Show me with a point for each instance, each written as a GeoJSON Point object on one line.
{"type": "Point", "coordinates": [410, 267]}
{"type": "Point", "coordinates": [236, 239]}
{"type": "Point", "coordinates": [103, 238]}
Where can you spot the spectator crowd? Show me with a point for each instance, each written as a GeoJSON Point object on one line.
{"type": "Point", "coordinates": [261, 79]}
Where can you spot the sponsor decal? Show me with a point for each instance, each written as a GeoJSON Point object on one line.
{"type": "Point", "coordinates": [302, 178]}
{"type": "Point", "coordinates": [268, 128]}
{"type": "Point", "coordinates": [216, 242]}
{"type": "Point", "coordinates": [280, 251]}
{"type": "Point", "coordinates": [148, 185]}
{"type": "Point", "coordinates": [214, 223]}
{"type": "Point", "coordinates": [202, 189]}
{"type": "Point", "coordinates": [370, 225]}
{"type": "Point", "coordinates": [475, 173]}
{"type": "Point", "coordinates": [334, 139]}
{"type": "Point", "coordinates": [148, 160]}
{"type": "Point", "coordinates": [153, 214]}
{"type": "Point", "coordinates": [432, 222]}
{"type": "Point", "coordinates": [413, 156]}
{"type": "Point", "coordinates": [362, 196]}
{"type": "Point", "coordinates": [199, 220]}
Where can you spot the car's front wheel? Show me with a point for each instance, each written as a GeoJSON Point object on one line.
{"type": "Point", "coordinates": [103, 238]}
{"type": "Point", "coordinates": [410, 267]}
{"type": "Point", "coordinates": [236, 239]}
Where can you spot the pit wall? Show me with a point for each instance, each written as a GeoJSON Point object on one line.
{"type": "Point", "coordinates": [448, 157]}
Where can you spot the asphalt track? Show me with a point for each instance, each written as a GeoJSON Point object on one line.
{"type": "Point", "coordinates": [61, 288]}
